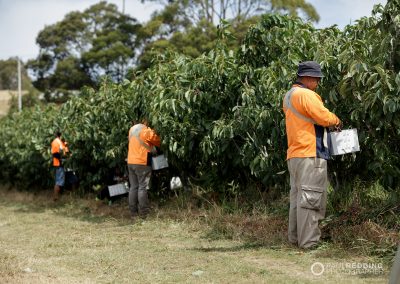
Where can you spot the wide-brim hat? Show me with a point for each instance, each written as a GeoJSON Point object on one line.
{"type": "Point", "coordinates": [309, 69]}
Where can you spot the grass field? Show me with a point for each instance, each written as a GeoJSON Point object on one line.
{"type": "Point", "coordinates": [5, 97]}
{"type": "Point", "coordinates": [83, 241]}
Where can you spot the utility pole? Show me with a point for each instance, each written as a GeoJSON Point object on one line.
{"type": "Point", "coordinates": [123, 6]}
{"type": "Point", "coordinates": [19, 86]}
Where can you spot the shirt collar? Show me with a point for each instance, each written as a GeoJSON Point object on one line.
{"type": "Point", "coordinates": [301, 85]}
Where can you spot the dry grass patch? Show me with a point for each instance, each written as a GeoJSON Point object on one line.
{"type": "Point", "coordinates": [263, 229]}
{"type": "Point", "coordinates": [367, 238]}
{"type": "Point", "coordinates": [83, 241]}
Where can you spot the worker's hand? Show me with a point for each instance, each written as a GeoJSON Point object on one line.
{"type": "Point", "coordinates": [338, 127]}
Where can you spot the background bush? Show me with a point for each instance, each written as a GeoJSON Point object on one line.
{"type": "Point", "coordinates": [220, 116]}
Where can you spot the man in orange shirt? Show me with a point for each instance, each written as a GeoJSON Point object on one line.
{"type": "Point", "coordinates": [142, 141]}
{"type": "Point", "coordinates": [57, 151]}
{"type": "Point", "coordinates": [307, 154]}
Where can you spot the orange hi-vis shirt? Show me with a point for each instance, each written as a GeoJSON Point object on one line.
{"type": "Point", "coordinates": [138, 149]}
{"type": "Point", "coordinates": [303, 136]}
{"type": "Point", "coordinates": [57, 147]}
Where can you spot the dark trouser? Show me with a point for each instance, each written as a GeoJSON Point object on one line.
{"type": "Point", "coordinates": [139, 178]}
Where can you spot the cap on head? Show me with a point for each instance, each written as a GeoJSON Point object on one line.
{"type": "Point", "coordinates": [309, 69]}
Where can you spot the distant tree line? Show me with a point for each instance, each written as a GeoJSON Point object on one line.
{"type": "Point", "coordinates": [9, 81]}
{"type": "Point", "coordinates": [101, 41]}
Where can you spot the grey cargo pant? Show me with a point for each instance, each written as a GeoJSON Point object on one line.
{"type": "Point", "coordinates": [139, 178]}
{"type": "Point", "coordinates": [308, 184]}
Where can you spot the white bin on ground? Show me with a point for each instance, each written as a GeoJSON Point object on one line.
{"type": "Point", "coordinates": [118, 189]}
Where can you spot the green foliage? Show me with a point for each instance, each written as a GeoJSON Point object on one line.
{"type": "Point", "coordinates": [28, 100]}
{"type": "Point", "coordinates": [169, 32]}
{"type": "Point", "coordinates": [369, 98]}
{"type": "Point", "coordinates": [82, 48]}
{"type": "Point", "coordinates": [96, 126]}
{"type": "Point", "coordinates": [25, 149]}
{"type": "Point", "coordinates": [9, 81]}
{"type": "Point", "coordinates": [220, 115]}
{"type": "Point", "coordinates": [189, 27]}
{"type": "Point", "coordinates": [8, 74]}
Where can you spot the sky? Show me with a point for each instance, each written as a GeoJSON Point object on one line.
{"type": "Point", "coordinates": [21, 20]}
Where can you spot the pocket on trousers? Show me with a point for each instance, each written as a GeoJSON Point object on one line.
{"type": "Point", "coordinates": [311, 197]}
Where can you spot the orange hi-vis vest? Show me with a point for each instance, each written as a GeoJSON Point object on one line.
{"type": "Point", "coordinates": [57, 147]}
{"type": "Point", "coordinates": [141, 141]}
{"type": "Point", "coordinates": [306, 117]}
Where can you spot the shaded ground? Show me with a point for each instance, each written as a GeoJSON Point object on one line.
{"type": "Point", "coordinates": [66, 243]}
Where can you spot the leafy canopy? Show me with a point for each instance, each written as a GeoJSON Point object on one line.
{"type": "Point", "coordinates": [82, 48]}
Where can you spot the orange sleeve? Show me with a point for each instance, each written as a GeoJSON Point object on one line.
{"type": "Point", "coordinates": [150, 137]}
{"type": "Point", "coordinates": [314, 107]}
